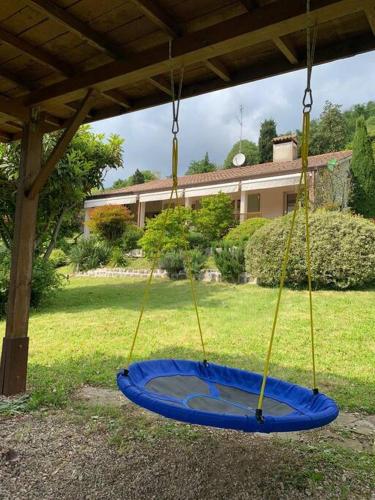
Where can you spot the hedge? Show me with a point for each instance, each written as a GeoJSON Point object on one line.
{"type": "Point", "coordinates": [342, 251]}
{"type": "Point", "coordinates": [243, 232]}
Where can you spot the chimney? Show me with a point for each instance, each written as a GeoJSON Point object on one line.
{"type": "Point", "coordinates": [285, 148]}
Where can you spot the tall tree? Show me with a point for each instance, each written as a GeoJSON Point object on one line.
{"type": "Point", "coordinates": [201, 166]}
{"type": "Point", "coordinates": [266, 134]}
{"type": "Point", "coordinates": [139, 177]}
{"type": "Point", "coordinates": [363, 172]}
{"type": "Point", "coordinates": [248, 148]}
{"type": "Point", "coordinates": [331, 132]}
{"type": "Point", "coordinates": [80, 171]}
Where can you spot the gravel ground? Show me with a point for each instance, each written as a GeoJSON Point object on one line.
{"type": "Point", "coordinates": [78, 455]}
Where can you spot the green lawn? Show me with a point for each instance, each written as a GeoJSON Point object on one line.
{"type": "Point", "coordinates": [83, 335]}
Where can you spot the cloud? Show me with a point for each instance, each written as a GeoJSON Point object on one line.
{"type": "Point", "coordinates": [210, 122]}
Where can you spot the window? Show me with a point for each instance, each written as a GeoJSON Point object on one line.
{"type": "Point", "coordinates": [253, 203]}
{"type": "Point", "coordinates": [290, 202]}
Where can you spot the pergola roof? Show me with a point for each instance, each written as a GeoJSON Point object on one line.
{"type": "Point", "coordinates": [52, 52]}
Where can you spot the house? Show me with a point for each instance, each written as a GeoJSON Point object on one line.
{"type": "Point", "coordinates": [263, 190]}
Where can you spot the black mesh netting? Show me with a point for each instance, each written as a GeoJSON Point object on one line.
{"type": "Point", "coordinates": [183, 386]}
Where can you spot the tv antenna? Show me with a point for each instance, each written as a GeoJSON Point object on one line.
{"type": "Point", "coordinates": [239, 158]}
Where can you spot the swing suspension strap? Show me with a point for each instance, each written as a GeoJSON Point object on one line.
{"type": "Point", "coordinates": [166, 213]}
{"type": "Point", "coordinates": [302, 196]}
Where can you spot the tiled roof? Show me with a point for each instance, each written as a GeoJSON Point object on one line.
{"type": "Point", "coordinates": [285, 138]}
{"type": "Point", "coordinates": [227, 175]}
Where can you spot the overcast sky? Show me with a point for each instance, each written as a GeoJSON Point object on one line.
{"type": "Point", "coordinates": [210, 122]}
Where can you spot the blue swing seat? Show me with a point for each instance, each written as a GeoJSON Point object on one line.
{"type": "Point", "coordinates": [219, 396]}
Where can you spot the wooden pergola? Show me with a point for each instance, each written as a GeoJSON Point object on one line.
{"type": "Point", "coordinates": [68, 62]}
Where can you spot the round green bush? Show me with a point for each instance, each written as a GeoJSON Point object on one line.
{"type": "Point", "coordinates": [342, 251]}
{"type": "Point", "coordinates": [243, 232]}
{"type": "Point", "coordinates": [130, 238]}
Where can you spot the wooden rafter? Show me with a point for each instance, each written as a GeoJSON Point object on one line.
{"type": "Point", "coordinates": [286, 48]}
{"type": "Point", "coordinates": [161, 84]}
{"type": "Point", "coordinates": [217, 67]}
{"type": "Point", "coordinates": [160, 18]}
{"type": "Point", "coordinates": [271, 67]}
{"type": "Point", "coordinates": [36, 53]}
{"type": "Point", "coordinates": [13, 108]}
{"type": "Point", "coordinates": [241, 32]}
{"type": "Point", "coordinates": [81, 28]}
{"type": "Point", "coordinates": [250, 4]}
{"type": "Point", "coordinates": [71, 128]}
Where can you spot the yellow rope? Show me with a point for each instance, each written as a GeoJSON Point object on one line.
{"type": "Point", "coordinates": [305, 160]}
{"type": "Point", "coordinates": [303, 182]}
{"type": "Point", "coordinates": [156, 257]}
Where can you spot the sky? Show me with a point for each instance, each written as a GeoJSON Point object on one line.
{"type": "Point", "coordinates": [209, 123]}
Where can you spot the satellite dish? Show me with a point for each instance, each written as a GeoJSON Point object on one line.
{"type": "Point", "coordinates": [239, 159]}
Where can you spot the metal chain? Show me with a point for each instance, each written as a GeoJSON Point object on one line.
{"type": "Point", "coordinates": [310, 44]}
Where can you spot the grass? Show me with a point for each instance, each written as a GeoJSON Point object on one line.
{"type": "Point", "coordinates": [83, 335]}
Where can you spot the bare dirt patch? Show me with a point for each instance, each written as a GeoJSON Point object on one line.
{"type": "Point", "coordinates": [123, 452]}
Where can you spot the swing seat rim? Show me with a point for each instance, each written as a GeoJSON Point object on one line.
{"type": "Point", "coordinates": [311, 410]}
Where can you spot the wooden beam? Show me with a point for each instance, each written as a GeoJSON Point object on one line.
{"type": "Point", "coordinates": [286, 48]}
{"type": "Point", "coordinates": [370, 14]}
{"type": "Point", "coordinates": [80, 28]}
{"type": "Point", "coordinates": [72, 126]}
{"type": "Point", "coordinates": [36, 53]}
{"type": "Point", "coordinates": [250, 4]}
{"type": "Point", "coordinates": [217, 67]}
{"type": "Point", "coordinates": [158, 16]}
{"type": "Point", "coordinates": [273, 20]}
{"type": "Point", "coordinates": [18, 80]}
{"type": "Point", "coordinates": [160, 84]}
{"type": "Point", "coordinates": [13, 108]}
{"type": "Point", "coordinates": [269, 67]}
{"type": "Point", "coordinates": [118, 97]}
{"type": "Point", "coordinates": [153, 12]}
{"type": "Point", "coordinates": [13, 368]}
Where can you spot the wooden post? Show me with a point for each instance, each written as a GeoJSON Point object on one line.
{"type": "Point", "coordinates": [13, 368]}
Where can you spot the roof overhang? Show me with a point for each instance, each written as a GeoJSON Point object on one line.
{"type": "Point", "coordinates": [125, 57]}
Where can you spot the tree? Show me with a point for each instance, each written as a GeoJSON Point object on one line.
{"type": "Point", "coordinates": [248, 148]}
{"type": "Point", "coordinates": [215, 217]}
{"type": "Point", "coordinates": [80, 170]}
{"type": "Point", "coordinates": [167, 232]}
{"type": "Point", "coordinates": [120, 183]}
{"type": "Point", "coordinates": [362, 170]}
{"type": "Point", "coordinates": [139, 177]}
{"type": "Point", "coordinates": [201, 166]}
{"type": "Point", "coordinates": [331, 131]}
{"type": "Point", "coordinates": [266, 134]}
{"type": "Point", "coordinates": [110, 222]}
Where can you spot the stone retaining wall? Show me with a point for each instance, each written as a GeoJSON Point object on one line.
{"type": "Point", "coordinates": [119, 272]}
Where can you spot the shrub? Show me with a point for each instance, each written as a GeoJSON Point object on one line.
{"type": "Point", "coordinates": [230, 261]}
{"type": "Point", "coordinates": [215, 217]}
{"type": "Point", "coordinates": [167, 232]}
{"type": "Point", "coordinates": [173, 263]}
{"type": "Point", "coordinates": [89, 253]}
{"type": "Point", "coordinates": [58, 258]}
{"type": "Point", "coordinates": [240, 234]}
{"type": "Point", "coordinates": [45, 281]}
{"type": "Point", "coordinates": [342, 251]}
{"type": "Point", "coordinates": [131, 237]}
{"type": "Point", "coordinates": [196, 261]}
{"type": "Point", "coordinates": [197, 240]}
{"type": "Point", "coordinates": [118, 258]}
{"type": "Point", "coordinates": [110, 221]}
